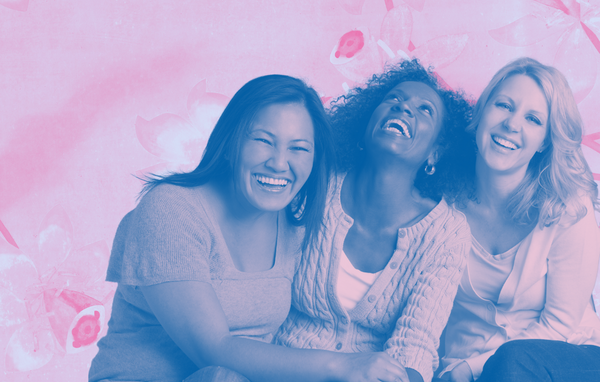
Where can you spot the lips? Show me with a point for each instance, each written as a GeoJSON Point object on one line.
{"type": "Point", "coordinates": [398, 127]}
{"type": "Point", "coordinates": [503, 142]}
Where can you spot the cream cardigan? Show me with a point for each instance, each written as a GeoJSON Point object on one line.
{"type": "Point", "coordinates": [548, 295]}
{"type": "Point", "coordinates": [406, 308]}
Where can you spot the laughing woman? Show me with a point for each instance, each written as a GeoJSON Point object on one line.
{"type": "Point", "coordinates": [383, 273]}
{"type": "Point", "coordinates": [205, 261]}
{"type": "Point", "coordinates": [536, 245]}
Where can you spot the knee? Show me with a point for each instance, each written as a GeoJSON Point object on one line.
{"type": "Point", "coordinates": [515, 361]}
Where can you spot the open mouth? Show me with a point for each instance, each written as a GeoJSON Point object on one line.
{"type": "Point", "coordinates": [504, 143]}
{"type": "Point", "coordinates": [272, 184]}
{"type": "Point", "coordinates": [398, 127]}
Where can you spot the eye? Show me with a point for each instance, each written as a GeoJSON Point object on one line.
{"type": "Point", "coordinates": [427, 109]}
{"type": "Point", "coordinates": [504, 105]}
{"type": "Point", "coordinates": [299, 148]}
{"type": "Point", "coordinates": [534, 119]}
{"type": "Point", "coordinates": [263, 140]}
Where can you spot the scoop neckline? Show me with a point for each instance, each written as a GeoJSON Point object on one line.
{"type": "Point", "coordinates": [213, 221]}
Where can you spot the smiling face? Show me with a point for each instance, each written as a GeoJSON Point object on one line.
{"type": "Point", "coordinates": [513, 125]}
{"type": "Point", "coordinates": [276, 157]}
{"type": "Point", "coordinates": [406, 123]}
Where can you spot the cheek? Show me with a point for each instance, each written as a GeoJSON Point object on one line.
{"type": "Point", "coordinates": [303, 166]}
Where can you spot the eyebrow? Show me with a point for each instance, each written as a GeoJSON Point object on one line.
{"type": "Point", "coordinates": [273, 136]}
{"type": "Point", "coordinates": [401, 92]}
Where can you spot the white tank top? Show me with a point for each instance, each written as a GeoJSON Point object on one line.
{"type": "Point", "coordinates": [352, 284]}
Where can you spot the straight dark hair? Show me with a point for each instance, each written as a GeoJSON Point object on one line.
{"type": "Point", "coordinates": [223, 149]}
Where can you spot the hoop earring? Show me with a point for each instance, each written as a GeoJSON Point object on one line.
{"type": "Point", "coordinates": [429, 169]}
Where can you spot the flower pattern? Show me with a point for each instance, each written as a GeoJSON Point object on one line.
{"type": "Point", "coordinates": [55, 300]}
{"type": "Point", "coordinates": [179, 141]}
{"type": "Point", "coordinates": [577, 22]}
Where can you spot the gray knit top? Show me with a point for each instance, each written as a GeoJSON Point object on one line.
{"type": "Point", "coordinates": [172, 235]}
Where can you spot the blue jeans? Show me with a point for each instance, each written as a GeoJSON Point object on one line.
{"type": "Point", "coordinates": [216, 374]}
{"type": "Point", "coordinates": [542, 361]}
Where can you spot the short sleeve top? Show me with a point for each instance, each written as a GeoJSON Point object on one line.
{"type": "Point", "coordinates": [172, 235]}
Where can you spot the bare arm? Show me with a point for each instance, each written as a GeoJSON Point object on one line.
{"type": "Point", "coordinates": [191, 314]}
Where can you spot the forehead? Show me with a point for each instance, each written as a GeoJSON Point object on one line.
{"type": "Point", "coordinates": [523, 88]}
{"type": "Point", "coordinates": [415, 88]}
{"type": "Point", "coordinates": [283, 118]}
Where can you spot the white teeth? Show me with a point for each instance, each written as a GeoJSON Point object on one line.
{"type": "Point", "coordinates": [397, 125]}
{"type": "Point", "coordinates": [272, 181]}
{"type": "Point", "coordinates": [504, 143]}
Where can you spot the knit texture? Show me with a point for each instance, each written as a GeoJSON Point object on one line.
{"type": "Point", "coordinates": [404, 311]}
{"type": "Point", "coordinates": [172, 235]}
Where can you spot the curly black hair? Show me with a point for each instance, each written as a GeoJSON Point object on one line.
{"type": "Point", "coordinates": [349, 116]}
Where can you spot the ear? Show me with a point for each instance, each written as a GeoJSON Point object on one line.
{"type": "Point", "coordinates": [434, 156]}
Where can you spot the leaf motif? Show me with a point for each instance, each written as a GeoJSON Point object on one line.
{"type": "Point", "coordinates": [576, 58]}
{"type": "Point", "coordinates": [84, 271]}
{"type": "Point", "coordinates": [416, 4]}
{"type": "Point", "coordinates": [555, 4]}
{"type": "Point", "coordinates": [205, 109]}
{"type": "Point", "coordinates": [30, 347]}
{"type": "Point", "coordinates": [441, 51]}
{"type": "Point", "coordinates": [170, 138]}
{"type": "Point", "coordinates": [54, 239]}
{"type": "Point", "coordinates": [396, 28]}
{"type": "Point", "coordinates": [354, 7]}
{"type": "Point", "coordinates": [13, 310]}
{"type": "Point", "coordinates": [17, 274]}
{"type": "Point", "coordinates": [17, 5]}
{"type": "Point", "coordinates": [525, 31]}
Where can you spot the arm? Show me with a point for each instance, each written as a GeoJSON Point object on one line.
{"type": "Point", "coordinates": [416, 336]}
{"type": "Point", "coordinates": [192, 315]}
{"type": "Point", "coordinates": [572, 268]}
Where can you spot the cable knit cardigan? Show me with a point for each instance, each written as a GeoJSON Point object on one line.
{"type": "Point", "coordinates": [406, 308]}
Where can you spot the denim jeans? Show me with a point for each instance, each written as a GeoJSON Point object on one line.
{"type": "Point", "coordinates": [216, 374]}
{"type": "Point", "coordinates": [543, 361]}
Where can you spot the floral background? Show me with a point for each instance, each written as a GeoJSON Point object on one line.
{"type": "Point", "coordinates": [95, 92]}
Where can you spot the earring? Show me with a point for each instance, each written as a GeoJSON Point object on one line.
{"type": "Point", "coordinates": [429, 169]}
{"type": "Point", "coordinates": [359, 146]}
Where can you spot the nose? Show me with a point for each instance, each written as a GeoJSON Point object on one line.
{"type": "Point", "coordinates": [513, 122]}
{"type": "Point", "coordinates": [403, 106]}
{"type": "Point", "coordinates": [278, 161]}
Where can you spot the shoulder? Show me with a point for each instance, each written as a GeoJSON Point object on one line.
{"type": "Point", "coordinates": [451, 222]}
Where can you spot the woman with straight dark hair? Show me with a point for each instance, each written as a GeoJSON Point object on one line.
{"type": "Point", "coordinates": [206, 260]}
{"type": "Point", "coordinates": [524, 309]}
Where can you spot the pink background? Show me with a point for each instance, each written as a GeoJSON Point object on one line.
{"type": "Point", "coordinates": [83, 82]}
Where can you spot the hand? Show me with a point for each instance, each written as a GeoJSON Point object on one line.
{"type": "Point", "coordinates": [461, 373]}
{"type": "Point", "coordinates": [368, 367]}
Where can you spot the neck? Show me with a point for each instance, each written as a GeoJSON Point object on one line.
{"type": "Point", "coordinates": [384, 191]}
{"type": "Point", "coordinates": [237, 209]}
{"type": "Point", "coordinates": [494, 188]}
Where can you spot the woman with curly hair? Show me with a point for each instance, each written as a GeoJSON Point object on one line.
{"type": "Point", "coordinates": [383, 273]}
{"type": "Point", "coordinates": [525, 299]}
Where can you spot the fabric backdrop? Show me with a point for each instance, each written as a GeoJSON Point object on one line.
{"type": "Point", "coordinates": [94, 92]}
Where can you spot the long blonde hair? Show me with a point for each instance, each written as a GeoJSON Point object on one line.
{"type": "Point", "coordinates": [556, 176]}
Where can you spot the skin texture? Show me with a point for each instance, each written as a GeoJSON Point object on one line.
{"type": "Point", "coordinates": [279, 145]}
{"type": "Point", "coordinates": [517, 112]}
